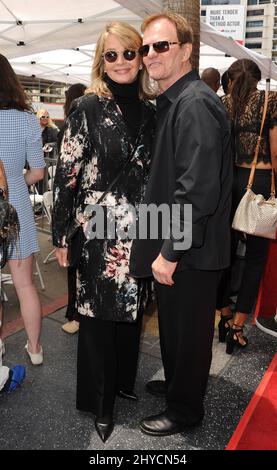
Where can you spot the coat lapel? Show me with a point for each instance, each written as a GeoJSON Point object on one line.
{"type": "Point", "coordinates": [147, 116]}
{"type": "Point", "coordinates": [113, 113]}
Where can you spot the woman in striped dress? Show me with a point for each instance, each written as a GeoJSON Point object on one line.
{"type": "Point", "coordinates": [20, 142]}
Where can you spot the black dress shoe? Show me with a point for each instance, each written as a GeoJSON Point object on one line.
{"type": "Point", "coordinates": [161, 425]}
{"type": "Point", "coordinates": [127, 395]}
{"type": "Point", "coordinates": [103, 428]}
{"type": "Point", "coordinates": [156, 387]}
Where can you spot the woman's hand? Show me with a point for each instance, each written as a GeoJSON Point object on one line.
{"type": "Point", "coordinates": [33, 175]}
{"type": "Point", "coordinates": [61, 255]}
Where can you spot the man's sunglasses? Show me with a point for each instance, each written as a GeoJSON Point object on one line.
{"type": "Point", "coordinates": [160, 46]}
{"type": "Point", "coordinates": [112, 56]}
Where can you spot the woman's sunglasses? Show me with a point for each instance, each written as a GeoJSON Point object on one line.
{"type": "Point", "coordinates": [112, 56]}
{"type": "Point", "coordinates": [44, 117]}
{"type": "Point", "coordinates": [160, 46]}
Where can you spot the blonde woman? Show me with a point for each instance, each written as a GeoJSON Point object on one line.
{"type": "Point", "coordinates": [49, 130]}
{"type": "Point", "coordinates": [49, 135]}
{"type": "Point", "coordinates": [111, 121]}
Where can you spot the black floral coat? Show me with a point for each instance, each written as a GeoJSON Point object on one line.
{"type": "Point", "coordinates": [95, 145]}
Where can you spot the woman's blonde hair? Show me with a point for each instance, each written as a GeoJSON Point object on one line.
{"type": "Point", "coordinates": [50, 123]}
{"type": "Point", "coordinates": [130, 38]}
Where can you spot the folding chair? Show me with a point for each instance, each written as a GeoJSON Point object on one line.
{"type": "Point", "coordinates": [38, 273]}
{"type": "Point", "coordinates": [7, 279]}
{"type": "Point", "coordinates": [48, 205]}
{"type": "Point", "coordinates": [51, 173]}
{"type": "Point", "coordinates": [35, 197]}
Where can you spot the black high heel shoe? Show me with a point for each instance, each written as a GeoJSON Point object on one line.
{"type": "Point", "coordinates": [233, 339]}
{"type": "Point", "coordinates": [104, 427]}
{"type": "Point", "coordinates": [222, 328]}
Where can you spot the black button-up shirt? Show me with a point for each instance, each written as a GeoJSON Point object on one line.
{"type": "Point", "coordinates": [191, 164]}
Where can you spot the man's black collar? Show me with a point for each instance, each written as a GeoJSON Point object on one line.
{"type": "Point", "coordinates": [173, 92]}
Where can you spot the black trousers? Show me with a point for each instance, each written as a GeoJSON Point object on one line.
{"type": "Point", "coordinates": [106, 362]}
{"type": "Point", "coordinates": [71, 311]}
{"type": "Point", "coordinates": [186, 321]}
{"type": "Point", "coordinates": [256, 247]}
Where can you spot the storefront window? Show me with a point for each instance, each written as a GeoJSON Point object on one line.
{"type": "Point", "coordinates": [254, 24]}
{"type": "Point", "coordinates": [220, 2]}
{"type": "Point", "coordinates": [256, 12]}
{"type": "Point", "coordinates": [253, 45]}
{"type": "Point", "coordinates": [254, 34]}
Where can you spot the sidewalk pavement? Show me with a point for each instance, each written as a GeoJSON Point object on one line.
{"type": "Point", "coordinates": [42, 413]}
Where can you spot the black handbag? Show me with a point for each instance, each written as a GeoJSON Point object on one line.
{"type": "Point", "coordinates": [9, 222]}
{"type": "Point", "coordinates": [75, 237]}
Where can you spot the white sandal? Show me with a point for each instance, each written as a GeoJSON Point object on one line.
{"type": "Point", "coordinates": [36, 358]}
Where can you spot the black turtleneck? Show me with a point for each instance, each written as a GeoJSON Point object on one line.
{"type": "Point", "coordinates": [127, 98]}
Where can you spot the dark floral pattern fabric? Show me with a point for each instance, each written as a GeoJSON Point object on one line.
{"type": "Point", "coordinates": [247, 128]}
{"type": "Point", "coordinates": [95, 146]}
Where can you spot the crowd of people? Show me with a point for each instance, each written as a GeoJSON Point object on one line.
{"type": "Point", "coordinates": [147, 132]}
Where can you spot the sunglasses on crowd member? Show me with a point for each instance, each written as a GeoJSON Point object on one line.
{"type": "Point", "coordinates": [44, 117]}
{"type": "Point", "coordinates": [112, 56]}
{"type": "Point", "coordinates": [160, 46]}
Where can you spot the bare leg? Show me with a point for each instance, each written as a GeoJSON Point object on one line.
{"type": "Point", "coordinates": [240, 318]}
{"type": "Point", "coordinates": [227, 312]}
{"type": "Point", "coordinates": [22, 275]}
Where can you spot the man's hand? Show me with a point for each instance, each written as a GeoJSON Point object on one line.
{"type": "Point", "coordinates": [61, 255]}
{"type": "Point", "coordinates": [163, 270]}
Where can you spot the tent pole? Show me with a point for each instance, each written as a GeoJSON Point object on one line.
{"type": "Point", "coordinates": [267, 84]}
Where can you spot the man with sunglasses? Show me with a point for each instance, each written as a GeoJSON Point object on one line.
{"type": "Point", "coordinates": [191, 167]}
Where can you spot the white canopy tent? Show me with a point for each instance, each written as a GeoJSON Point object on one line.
{"type": "Point", "coordinates": [28, 29]}
{"type": "Point", "coordinates": [56, 40]}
